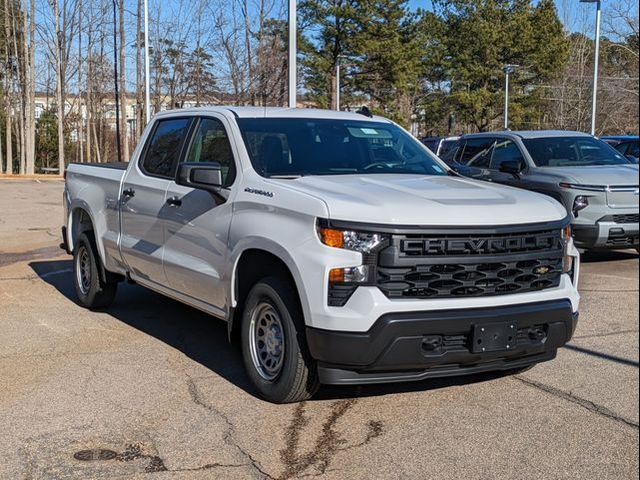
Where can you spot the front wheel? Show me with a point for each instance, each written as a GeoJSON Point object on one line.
{"type": "Point", "coordinates": [93, 292]}
{"type": "Point", "coordinates": [274, 344]}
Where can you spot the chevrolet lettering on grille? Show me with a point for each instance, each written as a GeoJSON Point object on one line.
{"type": "Point", "coordinates": [483, 246]}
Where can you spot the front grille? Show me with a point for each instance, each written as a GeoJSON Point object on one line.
{"type": "Point", "coordinates": [454, 266]}
{"type": "Point", "coordinates": [631, 218]}
{"type": "Point", "coordinates": [469, 280]}
{"type": "Point", "coordinates": [623, 241]}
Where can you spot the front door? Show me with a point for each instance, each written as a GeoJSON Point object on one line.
{"type": "Point", "coordinates": [143, 200]}
{"type": "Point", "coordinates": [198, 221]}
{"type": "Point", "coordinates": [506, 151]}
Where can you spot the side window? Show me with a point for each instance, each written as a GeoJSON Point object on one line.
{"type": "Point", "coordinates": [211, 145]}
{"type": "Point", "coordinates": [163, 152]}
{"type": "Point", "coordinates": [477, 152]}
{"type": "Point", "coordinates": [504, 151]}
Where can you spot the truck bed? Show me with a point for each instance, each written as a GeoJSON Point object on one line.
{"type": "Point", "coordinates": [95, 188]}
{"type": "Point", "coordinates": [113, 165]}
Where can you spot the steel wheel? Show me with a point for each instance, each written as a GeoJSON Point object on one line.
{"type": "Point", "coordinates": [266, 337]}
{"type": "Point", "coordinates": [83, 270]}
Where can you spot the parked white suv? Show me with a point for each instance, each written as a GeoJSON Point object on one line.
{"type": "Point", "coordinates": [336, 247]}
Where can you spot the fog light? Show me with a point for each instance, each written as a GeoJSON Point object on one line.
{"type": "Point", "coordinates": [567, 264]}
{"type": "Point", "coordinates": [349, 275]}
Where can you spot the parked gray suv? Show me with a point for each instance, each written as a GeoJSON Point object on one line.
{"type": "Point", "coordinates": [596, 184]}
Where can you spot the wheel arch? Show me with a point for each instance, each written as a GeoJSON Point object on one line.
{"type": "Point", "coordinates": [250, 265]}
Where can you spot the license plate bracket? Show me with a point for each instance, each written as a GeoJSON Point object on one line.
{"type": "Point", "coordinates": [495, 337]}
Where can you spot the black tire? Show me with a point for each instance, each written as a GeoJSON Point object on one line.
{"type": "Point", "coordinates": [93, 292]}
{"type": "Point", "coordinates": [296, 378]}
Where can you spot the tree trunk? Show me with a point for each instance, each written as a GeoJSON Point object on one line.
{"type": "Point", "coordinates": [80, 124]}
{"type": "Point", "coordinates": [124, 129]}
{"type": "Point", "coordinates": [30, 130]}
{"type": "Point", "coordinates": [8, 169]}
{"type": "Point", "coordinates": [247, 33]}
{"type": "Point", "coordinates": [139, 85]}
{"type": "Point", "coordinates": [59, 100]}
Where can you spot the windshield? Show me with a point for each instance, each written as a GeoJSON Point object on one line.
{"type": "Point", "coordinates": [572, 152]}
{"type": "Point", "coordinates": [287, 147]}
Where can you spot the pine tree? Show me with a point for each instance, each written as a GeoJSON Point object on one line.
{"type": "Point", "coordinates": [484, 35]}
{"type": "Point", "coordinates": [333, 34]}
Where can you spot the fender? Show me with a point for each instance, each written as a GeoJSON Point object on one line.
{"type": "Point", "coordinates": [275, 249]}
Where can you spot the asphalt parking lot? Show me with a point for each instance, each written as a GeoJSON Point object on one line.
{"type": "Point", "coordinates": [151, 389]}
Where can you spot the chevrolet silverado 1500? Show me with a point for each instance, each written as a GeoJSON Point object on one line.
{"type": "Point", "coordinates": [336, 247]}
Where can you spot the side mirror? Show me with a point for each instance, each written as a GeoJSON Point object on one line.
{"type": "Point", "coordinates": [203, 176]}
{"type": "Point", "coordinates": [513, 167]}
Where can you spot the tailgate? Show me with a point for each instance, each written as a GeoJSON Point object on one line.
{"type": "Point", "coordinates": [622, 197]}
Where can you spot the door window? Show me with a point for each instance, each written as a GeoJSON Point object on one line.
{"type": "Point", "coordinates": [163, 152]}
{"type": "Point", "coordinates": [211, 145]}
{"type": "Point", "coordinates": [505, 151]}
{"type": "Point", "coordinates": [477, 152]}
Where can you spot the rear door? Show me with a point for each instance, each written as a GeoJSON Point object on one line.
{"type": "Point", "coordinates": [143, 209]}
{"type": "Point", "coordinates": [198, 222]}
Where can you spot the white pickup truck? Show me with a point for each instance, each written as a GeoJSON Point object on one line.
{"type": "Point", "coordinates": [337, 248]}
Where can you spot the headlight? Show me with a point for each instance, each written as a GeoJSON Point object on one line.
{"type": "Point", "coordinates": [580, 203]}
{"type": "Point", "coordinates": [362, 242]}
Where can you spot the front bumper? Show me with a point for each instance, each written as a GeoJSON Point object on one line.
{"type": "Point", "coordinates": [607, 235]}
{"type": "Point", "coordinates": [413, 346]}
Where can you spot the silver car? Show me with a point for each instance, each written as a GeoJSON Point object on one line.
{"type": "Point", "coordinates": [595, 183]}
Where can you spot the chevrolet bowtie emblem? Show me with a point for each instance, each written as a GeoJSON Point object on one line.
{"type": "Point", "coordinates": [542, 270]}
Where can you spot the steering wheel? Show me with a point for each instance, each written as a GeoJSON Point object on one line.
{"type": "Point", "coordinates": [379, 165]}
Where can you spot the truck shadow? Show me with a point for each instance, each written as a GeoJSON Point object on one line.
{"type": "Point", "coordinates": [602, 256]}
{"type": "Point", "coordinates": [204, 339]}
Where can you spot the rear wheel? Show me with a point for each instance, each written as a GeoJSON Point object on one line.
{"type": "Point", "coordinates": [93, 292]}
{"type": "Point", "coordinates": [274, 344]}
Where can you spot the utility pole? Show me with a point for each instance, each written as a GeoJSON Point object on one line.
{"type": "Point", "coordinates": [293, 52]}
{"type": "Point", "coordinates": [508, 70]}
{"type": "Point", "coordinates": [596, 62]}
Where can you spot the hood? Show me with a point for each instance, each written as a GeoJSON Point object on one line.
{"type": "Point", "coordinates": [617, 175]}
{"type": "Point", "coordinates": [426, 200]}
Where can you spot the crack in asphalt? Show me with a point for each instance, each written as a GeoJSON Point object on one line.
{"type": "Point", "coordinates": [587, 404]}
{"type": "Point", "coordinates": [607, 334]}
{"type": "Point", "coordinates": [229, 439]}
{"type": "Point", "coordinates": [327, 444]}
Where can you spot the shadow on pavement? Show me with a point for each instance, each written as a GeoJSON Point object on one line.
{"type": "Point", "coordinates": [600, 256]}
{"type": "Point", "coordinates": [203, 338]}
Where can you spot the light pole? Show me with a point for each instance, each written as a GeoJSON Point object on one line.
{"type": "Point", "coordinates": [338, 84]}
{"type": "Point", "coordinates": [339, 80]}
{"type": "Point", "coordinates": [508, 70]}
{"type": "Point", "coordinates": [293, 50]}
{"type": "Point", "coordinates": [596, 61]}
{"type": "Point", "coordinates": [147, 80]}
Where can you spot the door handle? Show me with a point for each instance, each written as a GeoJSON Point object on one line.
{"type": "Point", "coordinates": [129, 193]}
{"type": "Point", "coordinates": [174, 202]}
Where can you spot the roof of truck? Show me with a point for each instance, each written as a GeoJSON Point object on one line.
{"type": "Point", "coordinates": [525, 134]}
{"type": "Point", "coordinates": [277, 112]}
